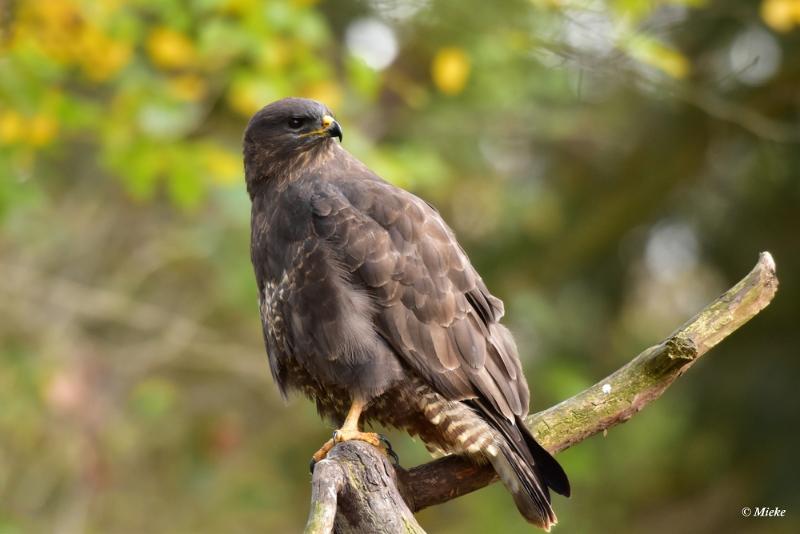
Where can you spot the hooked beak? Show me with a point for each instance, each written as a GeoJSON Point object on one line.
{"type": "Point", "coordinates": [331, 127]}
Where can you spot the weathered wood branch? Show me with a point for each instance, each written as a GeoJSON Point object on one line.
{"type": "Point", "coordinates": [356, 490]}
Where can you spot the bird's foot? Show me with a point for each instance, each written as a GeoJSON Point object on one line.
{"type": "Point", "coordinates": [376, 440]}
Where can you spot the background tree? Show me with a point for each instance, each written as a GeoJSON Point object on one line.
{"type": "Point", "coordinates": [610, 167]}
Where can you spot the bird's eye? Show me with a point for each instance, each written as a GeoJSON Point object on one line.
{"type": "Point", "coordinates": [296, 122]}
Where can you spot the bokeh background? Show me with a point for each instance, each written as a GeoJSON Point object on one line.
{"type": "Point", "coordinates": [609, 166]}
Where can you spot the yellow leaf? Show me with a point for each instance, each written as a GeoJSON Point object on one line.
{"type": "Point", "coordinates": [189, 87]}
{"type": "Point", "coordinates": [672, 62]}
{"type": "Point", "coordinates": [100, 56]}
{"type": "Point", "coordinates": [41, 130]}
{"type": "Point", "coordinates": [662, 57]}
{"type": "Point", "coordinates": [248, 95]}
{"type": "Point", "coordinates": [224, 166]}
{"type": "Point", "coordinates": [170, 49]}
{"type": "Point", "coordinates": [781, 15]}
{"type": "Point", "coordinates": [275, 53]}
{"type": "Point", "coordinates": [450, 70]}
{"type": "Point", "coordinates": [10, 127]}
{"type": "Point", "coordinates": [59, 13]}
{"type": "Point", "coordinates": [327, 92]}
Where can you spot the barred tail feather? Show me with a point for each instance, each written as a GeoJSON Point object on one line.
{"type": "Point", "coordinates": [526, 469]}
{"type": "Point", "coordinates": [532, 499]}
{"type": "Point", "coordinates": [547, 468]}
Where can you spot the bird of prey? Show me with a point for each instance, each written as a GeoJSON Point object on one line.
{"type": "Point", "coordinates": [371, 308]}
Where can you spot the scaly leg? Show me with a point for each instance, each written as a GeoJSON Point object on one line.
{"type": "Point", "coordinates": [350, 431]}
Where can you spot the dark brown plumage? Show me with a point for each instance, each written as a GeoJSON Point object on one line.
{"type": "Point", "coordinates": [366, 295]}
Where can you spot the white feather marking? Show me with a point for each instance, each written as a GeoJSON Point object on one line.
{"type": "Point", "coordinates": [452, 410]}
{"type": "Point", "coordinates": [431, 407]}
{"type": "Point", "coordinates": [455, 425]}
{"type": "Point", "coordinates": [475, 448]}
{"type": "Point", "coordinates": [467, 435]}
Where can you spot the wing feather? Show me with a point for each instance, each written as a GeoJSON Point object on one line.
{"type": "Point", "coordinates": [431, 306]}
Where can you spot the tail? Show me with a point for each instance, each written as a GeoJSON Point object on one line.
{"type": "Point", "coordinates": [527, 470]}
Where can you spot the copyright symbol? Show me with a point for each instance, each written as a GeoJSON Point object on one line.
{"type": "Point", "coordinates": [746, 512]}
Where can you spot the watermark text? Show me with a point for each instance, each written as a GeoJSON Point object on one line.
{"type": "Point", "coordinates": [763, 511]}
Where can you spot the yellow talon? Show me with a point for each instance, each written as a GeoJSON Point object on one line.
{"type": "Point", "coordinates": [350, 431]}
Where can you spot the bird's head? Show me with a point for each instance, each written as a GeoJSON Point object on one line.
{"type": "Point", "coordinates": [285, 132]}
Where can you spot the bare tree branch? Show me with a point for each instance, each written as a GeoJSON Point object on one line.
{"type": "Point", "coordinates": [604, 405]}
{"type": "Point", "coordinates": [356, 488]}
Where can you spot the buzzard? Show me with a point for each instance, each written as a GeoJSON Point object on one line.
{"type": "Point", "coordinates": [371, 308]}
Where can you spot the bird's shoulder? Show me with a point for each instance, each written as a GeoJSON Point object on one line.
{"type": "Point", "coordinates": [376, 222]}
{"type": "Point", "coordinates": [433, 308]}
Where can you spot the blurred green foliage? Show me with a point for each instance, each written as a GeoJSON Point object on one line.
{"type": "Point", "coordinates": [610, 167]}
